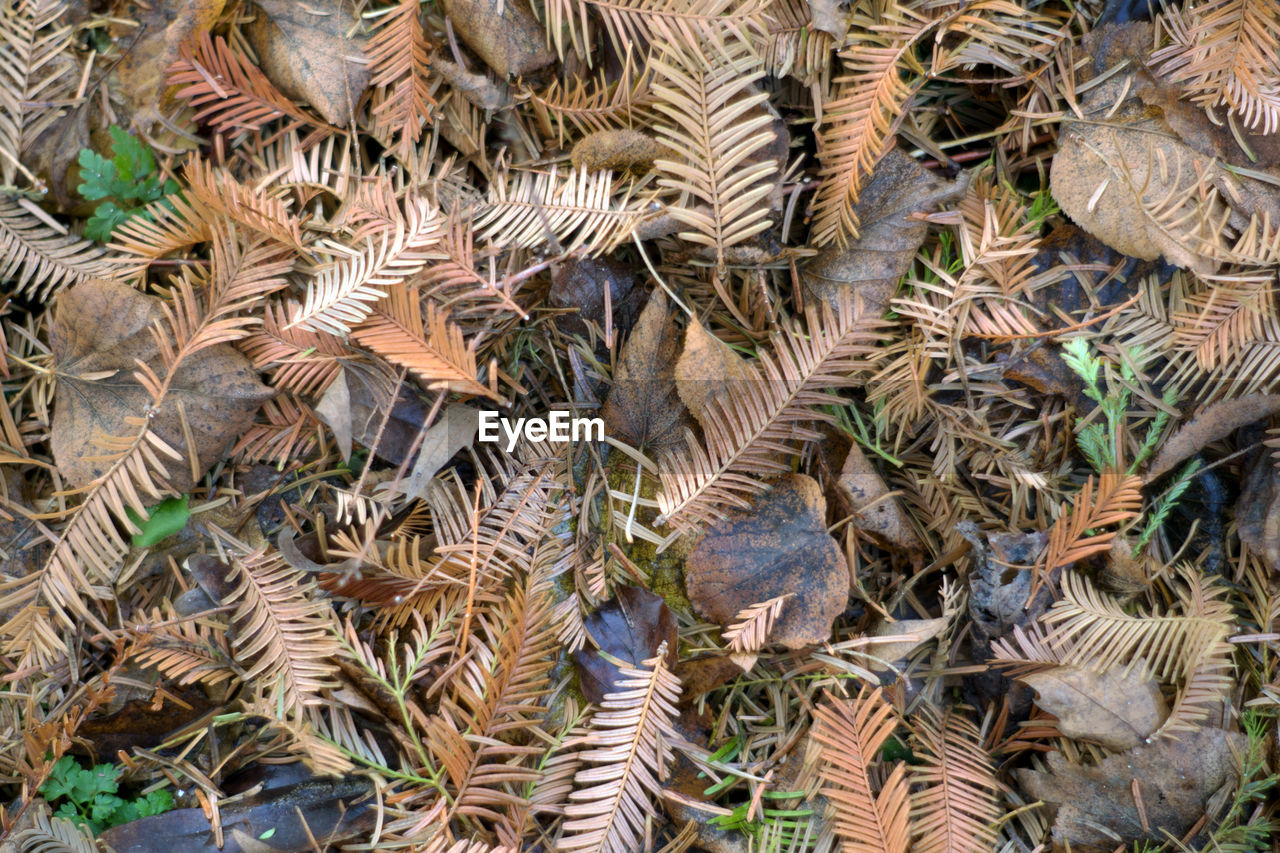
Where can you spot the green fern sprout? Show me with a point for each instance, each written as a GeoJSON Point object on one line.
{"type": "Point", "coordinates": [128, 182]}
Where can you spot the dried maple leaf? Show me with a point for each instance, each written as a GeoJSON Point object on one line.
{"type": "Point", "coordinates": [779, 545]}
{"type": "Point", "coordinates": [1098, 807]}
{"type": "Point", "coordinates": [100, 333]}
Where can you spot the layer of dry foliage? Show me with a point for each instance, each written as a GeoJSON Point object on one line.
{"type": "Point", "coordinates": [934, 342]}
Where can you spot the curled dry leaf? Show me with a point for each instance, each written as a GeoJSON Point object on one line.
{"type": "Point", "coordinates": [1175, 779]}
{"type": "Point", "coordinates": [1215, 422]}
{"type": "Point", "coordinates": [100, 331]}
{"type": "Point", "coordinates": [504, 33]}
{"type": "Point", "coordinates": [643, 407]}
{"type": "Point", "coordinates": [868, 270]}
{"type": "Point", "coordinates": [622, 150]}
{"type": "Point", "coordinates": [314, 52]}
{"type": "Point", "coordinates": [706, 366]}
{"type": "Point", "coordinates": [629, 628]}
{"type": "Point", "coordinates": [1118, 708]}
{"type": "Point", "coordinates": [779, 545]}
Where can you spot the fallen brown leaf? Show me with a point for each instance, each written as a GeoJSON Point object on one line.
{"type": "Point", "coordinates": [1176, 780]}
{"type": "Point", "coordinates": [1118, 708]}
{"type": "Point", "coordinates": [778, 545]}
{"type": "Point", "coordinates": [629, 628]}
{"type": "Point", "coordinates": [313, 52]}
{"type": "Point", "coordinates": [153, 46]}
{"type": "Point", "coordinates": [706, 366]}
{"type": "Point", "coordinates": [876, 512]}
{"type": "Point", "coordinates": [504, 33]}
{"type": "Point", "coordinates": [868, 270]}
{"type": "Point", "coordinates": [1216, 421]}
{"type": "Point", "coordinates": [643, 407]}
{"type": "Point", "coordinates": [100, 331]}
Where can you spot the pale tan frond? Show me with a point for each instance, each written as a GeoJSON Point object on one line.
{"type": "Point", "coordinates": [1016, 40]}
{"type": "Point", "coordinates": [433, 350]}
{"type": "Point", "coordinates": [713, 118]}
{"type": "Point", "coordinates": [793, 47]}
{"type": "Point", "coordinates": [288, 430]}
{"type": "Point", "coordinates": [563, 111]}
{"type": "Point", "coordinates": [301, 360]}
{"type": "Point", "coordinates": [39, 259]}
{"type": "Point", "coordinates": [163, 227]}
{"type": "Point", "coordinates": [1226, 53]}
{"type": "Point", "coordinates": [184, 651]}
{"type": "Point", "coordinates": [576, 209]}
{"type": "Point", "coordinates": [88, 553]}
{"type": "Point", "coordinates": [749, 633]}
{"type": "Point", "coordinates": [342, 293]}
{"type": "Point", "coordinates": [285, 634]}
{"type": "Point", "coordinates": [753, 428]}
{"type": "Point", "coordinates": [228, 91]}
{"type": "Point", "coordinates": [53, 835]}
{"type": "Point", "coordinates": [956, 802]}
{"type": "Point", "coordinates": [221, 193]}
{"type": "Point", "coordinates": [1222, 317]}
{"type": "Point", "coordinates": [38, 76]}
{"type": "Point", "coordinates": [458, 284]}
{"type": "Point", "coordinates": [1186, 646]}
{"type": "Point", "coordinates": [628, 756]}
{"type": "Point", "coordinates": [498, 695]}
{"type": "Point", "coordinates": [858, 124]}
{"type": "Point", "coordinates": [851, 733]}
{"type": "Point", "coordinates": [700, 25]}
{"type": "Point", "coordinates": [399, 63]}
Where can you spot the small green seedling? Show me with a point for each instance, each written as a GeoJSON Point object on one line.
{"type": "Point", "coordinates": [128, 182]}
{"type": "Point", "coordinates": [89, 797]}
{"type": "Point", "coordinates": [164, 520]}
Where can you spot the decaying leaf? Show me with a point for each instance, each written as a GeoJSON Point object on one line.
{"type": "Point", "coordinates": [314, 52]}
{"type": "Point", "coordinates": [1258, 511]}
{"type": "Point", "coordinates": [100, 332]}
{"type": "Point", "coordinates": [504, 33]}
{"type": "Point", "coordinates": [1176, 780]}
{"type": "Point", "coordinates": [778, 545]}
{"type": "Point", "coordinates": [355, 405]}
{"type": "Point", "coordinates": [580, 283]}
{"type": "Point", "coordinates": [706, 366]}
{"type": "Point", "coordinates": [643, 407]}
{"type": "Point", "coordinates": [883, 653]}
{"type": "Point", "coordinates": [867, 271]}
{"type": "Point", "coordinates": [877, 511]}
{"type": "Point", "coordinates": [630, 628]}
{"type": "Point", "coordinates": [1118, 708]}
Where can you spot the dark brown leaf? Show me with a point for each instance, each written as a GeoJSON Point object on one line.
{"type": "Point", "coordinates": [580, 283]}
{"type": "Point", "coordinates": [630, 628]}
{"type": "Point", "coordinates": [779, 545]}
{"type": "Point", "coordinates": [285, 818]}
{"type": "Point", "coordinates": [101, 329]}
{"type": "Point", "coordinates": [1217, 421]}
{"type": "Point", "coordinates": [643, 407]}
